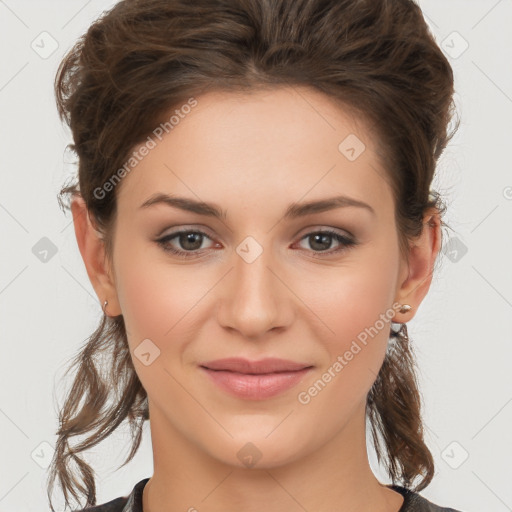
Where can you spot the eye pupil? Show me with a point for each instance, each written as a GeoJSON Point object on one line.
{"type": "Point", "coordinates": [324, 240]}
{"type": "Point", "coordinates": [192, 238]}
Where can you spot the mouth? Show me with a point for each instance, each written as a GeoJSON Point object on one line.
{"type": "Point", "coordinates": [255, 380]}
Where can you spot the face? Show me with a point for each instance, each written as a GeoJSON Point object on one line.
{"type": "Point", "coordinates": [313, 286]}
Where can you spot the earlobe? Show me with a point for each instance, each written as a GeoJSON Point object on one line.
{"type": "Point", "coordinates": [92, 249]}
{"type": "Point", "coordinates": [422, 256]}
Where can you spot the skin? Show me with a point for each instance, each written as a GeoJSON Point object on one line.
{"type": "Point", "coordinates": [253, 155]}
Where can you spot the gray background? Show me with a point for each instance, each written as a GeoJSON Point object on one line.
{"type": "Point", "coordinates": [462, 333]}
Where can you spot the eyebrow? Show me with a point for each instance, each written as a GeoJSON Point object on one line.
{"type": "Point", "coordinates": [293, 211]}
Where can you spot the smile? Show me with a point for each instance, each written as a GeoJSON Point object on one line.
{"type": "Point", "coordinates": [255, 380]}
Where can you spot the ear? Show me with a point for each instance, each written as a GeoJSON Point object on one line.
{"type": "Point", "coordinates": [416, 276]}
{"type": "Point", "coordinates": [92, 249]}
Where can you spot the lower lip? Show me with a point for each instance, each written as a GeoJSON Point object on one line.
{"type": "Point", "coordinates": [255, 386]}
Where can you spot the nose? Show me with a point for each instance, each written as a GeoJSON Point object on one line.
{"type": "Point", "coordinates": [254, 297]}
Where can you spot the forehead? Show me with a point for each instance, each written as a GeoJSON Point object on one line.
{"type": "Point", "coordinates": [289, 140]}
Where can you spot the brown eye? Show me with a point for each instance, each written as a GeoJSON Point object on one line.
{"type": "Point", "coordinates": [321, 241]}
{"type": "Point", "coordinates": [189, 242]}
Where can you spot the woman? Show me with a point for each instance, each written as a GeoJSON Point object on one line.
{"type": "Point", "coordinates": [254, 212]}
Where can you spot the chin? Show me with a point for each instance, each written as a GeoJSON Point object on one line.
{"type": "Point", "coordinates": [255, 449]}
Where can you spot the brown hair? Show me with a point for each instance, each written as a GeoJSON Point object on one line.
{"type": "Point", "coordinates": [143, 58]}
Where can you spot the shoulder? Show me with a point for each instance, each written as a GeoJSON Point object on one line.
{"type": "Point", "coordinates": [130, 503]}
{"type": "Point", "coordinates": [414, 502]}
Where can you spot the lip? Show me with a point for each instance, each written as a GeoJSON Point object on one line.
{"type": "Point", "coordinates": [267, 365]}
{"type": "Point", "coordinates": [255, 380]}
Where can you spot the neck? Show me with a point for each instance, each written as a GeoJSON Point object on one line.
{"type": "Point", "coordinates": [337, 476]}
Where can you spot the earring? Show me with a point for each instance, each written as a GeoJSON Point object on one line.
{"type": "Point", "coordinates": [405, 308]}
{"type": "Point", "coordinates": [104, 307]}
{"type": "Point", "coordinates": [397, 326]}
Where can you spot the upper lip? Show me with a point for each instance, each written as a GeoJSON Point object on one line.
{"type": "Point", "coordinates": [268, 365]}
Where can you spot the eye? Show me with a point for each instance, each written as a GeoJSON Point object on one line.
{"type": "Point", "coordinates": [320, 241]}
{"type": "Point", "coordinates": [191, 242]}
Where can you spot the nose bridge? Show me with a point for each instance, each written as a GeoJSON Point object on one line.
{"type": "Point", "coordinates": [252, 276]}
{"type": "Point", "coordinates": [255, 300]}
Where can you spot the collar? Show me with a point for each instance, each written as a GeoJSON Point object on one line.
{"type": "Point", "coordinates": [134, 503]}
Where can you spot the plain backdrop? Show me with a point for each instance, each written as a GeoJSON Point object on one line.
{"type": "Point", "coordinates": [462, 334]}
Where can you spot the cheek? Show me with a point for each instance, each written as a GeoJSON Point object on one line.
{"type": "Point", "coordinates": [355, 305]}
{"type": "Point", "coordinates": [153, 295]}
{"type": "Point", "coordinates": [354, 301]}
{"type": "Point", "coordinates": [155, 300]}
{"type": "Point", "coordinates": [160, 302]}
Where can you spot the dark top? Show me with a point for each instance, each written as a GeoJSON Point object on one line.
{"type": "Point", "coordinates": [413, 502]}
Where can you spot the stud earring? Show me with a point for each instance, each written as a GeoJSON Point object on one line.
{"type": "Point", "coordinates": [104, 307]}
{"type": "Point", "coordinates": [396, 326]}
{"type": "Point", "coordinates": [405, 308]}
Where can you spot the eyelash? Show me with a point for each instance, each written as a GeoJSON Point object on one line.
{"type": "Point", "coordinates": [346, 243]}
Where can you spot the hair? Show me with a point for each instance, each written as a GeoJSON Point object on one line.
{"type": "Point", "coordinates": [143, 58]}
